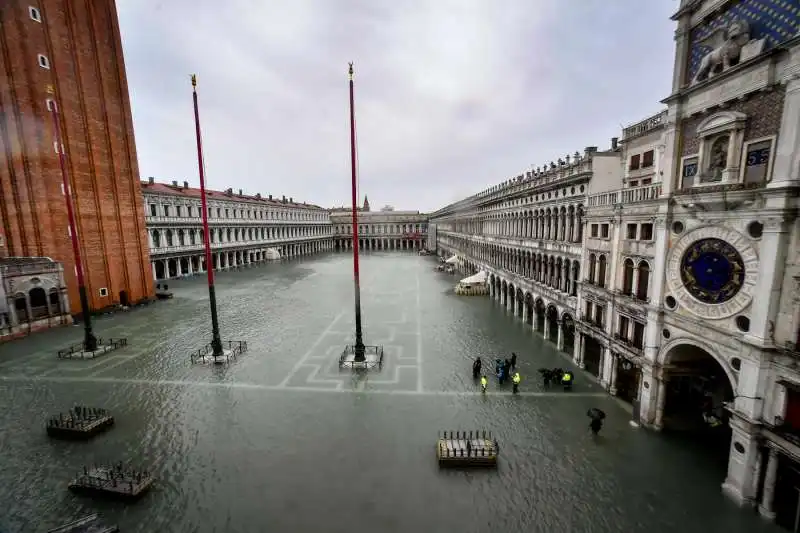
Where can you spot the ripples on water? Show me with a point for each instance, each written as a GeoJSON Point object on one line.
{"type": "Point", "coordinates": [231, 459]}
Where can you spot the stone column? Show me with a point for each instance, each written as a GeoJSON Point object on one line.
{"type": "Point", "coordinates": [774, 244]}
{"type": "Point", "coordinates": [648, 396]}
{"type": "Point", "coordinates": [661, 399]}
{"type": "Point", "coordinates": [524, 312]}
{"type": "Point", "coordinates": [768, 496]}
{"type": "Point", "coordinates": [741, 484]}
{"type": "Point", "coordinates": [535, 321]}
{"type": "Point", "coordinates": [546, 326]}
{"type": "Point", "coordinates": [787, 153]}
{"type": "Point", "coordinates": [560, 340]}
{"type": "Point", "coordinates": [612, 375]}
{"type": "Point", "coordinates": [577, 355]}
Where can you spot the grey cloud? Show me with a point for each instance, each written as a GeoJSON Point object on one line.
{"type": "Point", "coordinates": [451, 95]}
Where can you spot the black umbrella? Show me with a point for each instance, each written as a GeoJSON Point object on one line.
{"type": "Point", "coordinates": [595, 413]}
{"type": "Point", "coordinates": [544, 371]}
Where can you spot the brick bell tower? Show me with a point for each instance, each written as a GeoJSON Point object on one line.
{"type": "Point", "coordinates": [69, 55]}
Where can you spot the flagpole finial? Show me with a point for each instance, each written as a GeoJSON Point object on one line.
{"type": "Point", "coordinates": [194, 80]}
{"type": "Point", "coordinates": [350, 71]}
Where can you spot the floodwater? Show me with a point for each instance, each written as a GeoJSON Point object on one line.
{"type": "Point", "coordinates": [279, 440]}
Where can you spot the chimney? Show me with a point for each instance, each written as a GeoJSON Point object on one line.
{"type": "Point", "coordinates": [590, 149]}
{"type": "Point", "coordinates": [283, 199]}
{"type": "Point", "coordinates": [151, 180]}
{"type": "Point", "coordinates": [614, 143]}
{"type": "Point", "coordinates": [258, 195]}
{"type": "Point", "coordinates": [240, 192]}
{"type": "Point", "coordinates": [229, 191]}
{"type": "Point", "coordinates": [185, 184]}
{"type": "Point", "coordinates": [291, 200]}
{"type": "Point", "coordinates": [270, 197]}
{"type": "Point", "coordinates": [174, 183]}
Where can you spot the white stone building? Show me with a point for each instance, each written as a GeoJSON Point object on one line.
{"type": "Point", "coordinates": [33, 296]}
{"type": "Point", "coordinates": [380, 230]}
{"type": "Point", "coordinates": [690, 299]}
{"type": "Point", "coordinates": [244, 229]}
{"type": "Point", "coordinates": [527, 234]}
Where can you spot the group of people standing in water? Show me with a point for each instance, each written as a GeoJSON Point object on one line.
{"type": "Point", "coordinates": [557, 376]}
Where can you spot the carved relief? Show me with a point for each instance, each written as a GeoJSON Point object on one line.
{"type": "Point", "coordinates": [734, 298]}
{"type": "Point", "coordinates": [726, 44]}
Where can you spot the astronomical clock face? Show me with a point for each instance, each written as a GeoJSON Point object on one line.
{"type": "Point", "coordinates": [712, 272]}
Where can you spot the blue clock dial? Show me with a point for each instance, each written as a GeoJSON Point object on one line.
{"type": "Point", "coordinates": [712, 271]}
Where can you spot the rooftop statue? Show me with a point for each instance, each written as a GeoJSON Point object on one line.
{"type": "Point", "coordinates": [726, 43]}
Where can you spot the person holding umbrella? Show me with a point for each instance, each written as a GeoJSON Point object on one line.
{"type": "Point", "coordinates": [597, 416]}
{"type": "Point", "coordinates": [476, 368]}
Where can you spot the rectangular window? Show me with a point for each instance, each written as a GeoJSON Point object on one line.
{"type": "Point", "coordinates": [647, 232]}
{"type": "Point", "coordinates": [630, 232]}
{"type": "Point", "coordinates": [604, 231]}
{"type": "Point", "coordinates": [51, 104]}
{"type": "Point", "coordinates": [634, 165]}
{"type": "Point", "coordinates": [166, 210]}
{"type": "Point", "coordinates": [599, 312]}
{"type": "Point", "coordinates": [792, 416]}
{"type": "Point", "coordinates": [177, 211]}
{"type": "Point", "coordinates": [623, 327]}
{"type": "Point", "coordinates": [35, 14]}
{"type": "Point", "coordinates": [638, 334]}
{"type": "Point", "coordinates": [633, 183]}
{"type": "Point", "coordinates": [153, 211]}
{"type": "Point", "coordinates": [647, 181]}
{"type": "Point", "coordinates": [688, 172]}
{"type": "Point", "coordinates": [594, 230]}
{"type": "Point", "coordinates": [647, 159]}
{"type": "Point", "coordinates": [43, 61]}
{"type": "Point", "coordinates": [757, 158]}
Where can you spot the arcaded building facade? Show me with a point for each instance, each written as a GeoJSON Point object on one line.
{"type": "Point", "coordinates": [244, 229]}
{"type": "Point", "coordinates": [68, 55]}
{"type": "Point", "coordinates": [688, 293]}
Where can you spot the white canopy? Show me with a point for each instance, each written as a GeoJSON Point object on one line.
{"type": "Point", "coordinates": [475, 279]}
{"type": "Point", "coordinates": [453, 260]}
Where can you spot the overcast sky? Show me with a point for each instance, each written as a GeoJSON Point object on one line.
{"type": "Point", "coordinates": [452, 96]}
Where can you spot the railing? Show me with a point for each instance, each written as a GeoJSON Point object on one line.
{"type": "Point", "coordinates": [631, 195]}
{"type": "Point", "coordinates": [630, 343]}
{"type": "Point", "coordinates": [647, 125]}
{"type": "Point", "coordinates": [376, 361]}
{"type": "Point", "coordinates": [113, 344]}
{"type": "Point", "coordinates": [235, 349]}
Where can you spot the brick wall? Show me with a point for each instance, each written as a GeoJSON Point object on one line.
{"type": "Point", "coordinates": [764, 111]}
{"type": "Point", "coordinates": [87, 71]}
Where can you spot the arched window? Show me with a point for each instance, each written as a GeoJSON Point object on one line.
{"type": "Point", "coordinates": [156, 239]}
{"type": "Point", "coordinates": [644, 281]}
{"type": "Point", "coordinates": [169, 237]}
{"type": "Point", "coordinates": [601, 271]}
{"type": "Point", "coordinates": [627, 277]}
{"type": "Point", "coordinates": [592, 267]}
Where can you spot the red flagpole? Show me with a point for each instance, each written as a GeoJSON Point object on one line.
{"type": "Point", "coordinates": [359, 346]}
{"type": "Point", "coordinates": [89, 340]}
{"type": "Point", "coordinates": [216, 341]}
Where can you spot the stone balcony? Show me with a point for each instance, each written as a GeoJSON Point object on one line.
{"type": "Point", "coordinates": [231, 245]}
{"type": "Point", "coordinates": [629, 196]}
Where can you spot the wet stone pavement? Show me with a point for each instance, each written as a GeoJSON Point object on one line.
{"type": "Point", "coordinates": [281, 441]}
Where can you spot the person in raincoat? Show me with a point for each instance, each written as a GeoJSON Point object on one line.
{"type": "Point", "coordinates": [476, 368]}
{"type": "Point", "coordinates": [484, 384]}
{"type": "Point", "coordinates": [515, 379]}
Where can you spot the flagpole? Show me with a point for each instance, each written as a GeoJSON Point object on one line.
{"type": "Point", "coordinates": [216, 341]}
{"type": "Point", "coordinates": [89, 340]}
{"type": "Point", "coordinates": [359, 346]}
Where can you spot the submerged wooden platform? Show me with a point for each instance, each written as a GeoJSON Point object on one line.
{"type": "Point", "coordinates": [79, 423]}
{"type": "Point", "coordinates": [467, 448]}
{"type": "Point", "coordinates": [87, 524]}
{"type": "Point", "coordinates": [112, 481]}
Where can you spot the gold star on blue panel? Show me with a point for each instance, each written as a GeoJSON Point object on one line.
{"type": "Point", "coordinates": [775, 20]}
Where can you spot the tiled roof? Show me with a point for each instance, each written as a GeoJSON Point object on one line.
{"type": "Point", "coordinates": [193, 192]}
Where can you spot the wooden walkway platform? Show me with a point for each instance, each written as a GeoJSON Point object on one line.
{"type": "Point", "coordinates": [467, 448]}
{"type": "Point", "coordinates": [87, 524]}
{"type": "Point", "coordinates": [79, 423]}
{"type": "Point", "coordinates": [112, 481]}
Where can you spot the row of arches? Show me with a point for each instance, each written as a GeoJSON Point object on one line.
{"type": "Point", "coordinates": [36, 304]}
{"type": "Point", "coordinates": [558, 223]}
{"type": "Point", "coordinates": [635, 275]}
{"type": "Point", "coordinates": [556, 271]}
